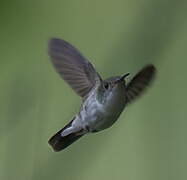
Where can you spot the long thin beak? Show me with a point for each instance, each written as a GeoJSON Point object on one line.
{"type": "Point", "coordinates": [122, 78]}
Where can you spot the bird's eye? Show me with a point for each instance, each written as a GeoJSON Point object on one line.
{"type": "Point", "coordinates": [106, 85]}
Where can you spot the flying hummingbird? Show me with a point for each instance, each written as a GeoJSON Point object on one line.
{"type": "Point", "coordinates": [103, 100]}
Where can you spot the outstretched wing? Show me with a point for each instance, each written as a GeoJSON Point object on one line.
{"type": "Point", "coordinates": [72, 66]}
{"type": "Point", "coordinates": [139, 82]}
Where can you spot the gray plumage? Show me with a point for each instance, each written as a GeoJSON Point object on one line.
{"type": "Point", "coordinates": [103, 100]}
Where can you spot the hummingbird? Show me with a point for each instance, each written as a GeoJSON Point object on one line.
{"type": "Point", "coordinates": [102, 100]}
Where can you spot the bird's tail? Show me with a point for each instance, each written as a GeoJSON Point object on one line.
{"type": "Point", "coordinates": [59, 142]}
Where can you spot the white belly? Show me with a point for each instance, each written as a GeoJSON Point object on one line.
{"type": "Point", "coordinates": [96, 116]}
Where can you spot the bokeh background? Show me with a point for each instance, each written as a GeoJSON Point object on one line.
{"type": "Point", "coordinates": [148, 142]}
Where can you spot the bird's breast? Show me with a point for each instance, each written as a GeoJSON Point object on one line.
{"type": "Point", "coordinates": [97, 115]}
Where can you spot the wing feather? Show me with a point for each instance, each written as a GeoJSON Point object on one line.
{"type": "Point", "coordinates": [72, 66]}
{"type": "Point", "coordinates": [140, 82]}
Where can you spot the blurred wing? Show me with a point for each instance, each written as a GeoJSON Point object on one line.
{"type": "Point", "coordinates": [139, 83]}
{"type": "Point", "coordinates": [72, 66]}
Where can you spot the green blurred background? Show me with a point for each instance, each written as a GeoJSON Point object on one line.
{"type": "Point", "coordinates": [148, 142]}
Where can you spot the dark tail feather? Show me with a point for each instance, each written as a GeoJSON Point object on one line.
{"type": "Point", "coordinates": [59, 142]}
